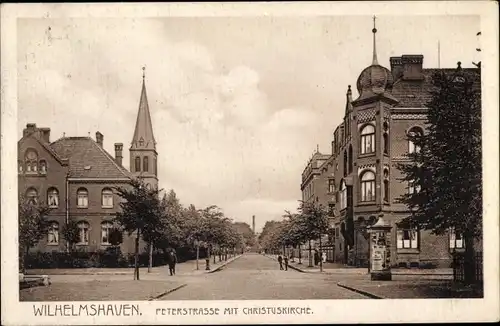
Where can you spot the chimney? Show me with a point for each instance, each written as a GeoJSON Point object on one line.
{"type": "Point", "coordinates": [253, 224]}
{"type": "Point", "coordinates": [118, 153]}
{"type": "Point", "coordinates": [45, 134]}
{"type": "Point", "coordinates": [396, 67]}
{"type": "Point", "coordinates": [412, 67]}
{"type": "Point", "coordinates": [30, 128]}
{"type": "Point", "coordinates": [99, 138]}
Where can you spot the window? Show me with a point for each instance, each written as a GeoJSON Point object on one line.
{"type": "Point", "coordinates": [330, 209]}
{"type": "Point", "coordinates": [137, 164]}
{"type": "Point", "coordinates": [82, 196]}
{"type": "Point", "coordinates": [145, 164]}
{"type": "Point", "coordinates": [107, 198]}
{"type": "Point", "coordinates": [43, 167]}
{"type": "Point", "coordinates": [386, 143]}
{"type": "Point", "coordinates": [20, 166]}
{"type": "Point", "coordinates": [106, 228]}
{"type": "Point", "coordinates": [368, 139]}
{"type": "Point", "coordinates": [368, 186]}
{"type": "Point", "coordinates": [407, 239]}
{"type": "Point", "coordinates": [83, 232]}
{"type": "Point", "coordinates": [156, 166]}
{"type": "Point", "coordinates": [343, 195]}
{"type": "Point", "coordinates": [53, 197]}
{"type": "Point", "coordinates": [386, 185]}
{"type": "Point", "coordinates": [331, 185]}
{"type": "Point", "coordinates": [53, 234]}
{"type": "Point", "coordinates": [456, 240]}
{"type": "Point", "coordinates": [31, 160]}
{"type": "Point", "coordinates": [350, 158]}
{"type": "Point", "coordinates": [345, 163]}
{"type": "Point", "coordinates": [32, 196]}
{"type": "Point", "coordinates": [412, 148]}
{"type": "Point", "coordinates": [337, 233]}
{"type": "Point", "coordinates": [413, 187]}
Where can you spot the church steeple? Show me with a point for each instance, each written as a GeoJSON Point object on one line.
{"type": "Point", "coordinates": [143, 134]}
{"type": "Point", "coordinates": [143, 155]}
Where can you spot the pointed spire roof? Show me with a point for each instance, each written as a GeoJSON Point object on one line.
{"type": "Point", "coordinates": [143, 134]}
{"type": "Point", "coordinates": [348, 103]}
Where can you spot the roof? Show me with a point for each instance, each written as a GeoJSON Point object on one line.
{"type": "Point", "coordinates": [143, 133]}
{"type": "Point", "coordinates": [87, 159]}
{"type": "Point", "coordinates": [44, 145]}
{"type": "Point", "coordinates": [417, 93]}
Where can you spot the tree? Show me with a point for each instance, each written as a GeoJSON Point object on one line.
{"type": "Point", "coordinates": [71, 234]}
{"type": "Point", "coordinates": [32, 226]}
{"type": "Point", "coordinates": [141, 213]}
{"type": "Point", "coordinates": [312, 224]}
{"type": "Point", "coordinates": [115, 238]}
{"type": "Point", "coordinates": [246, 231]}
{"type": "Point", "coordinates": [446, 171]}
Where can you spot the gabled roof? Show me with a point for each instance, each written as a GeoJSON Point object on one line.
{"type": "Point", "coordinates": [44, 145]}
{"type": "Point", "coordinates": [87, 159]}
{"type": "Point", "coordinates": [417, 93]}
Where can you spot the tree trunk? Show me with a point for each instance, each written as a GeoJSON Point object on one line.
{"type": "Point", "coordinates": [310, 256]}
{"type": "Point", "coordinates": [136, 263]}
{"type": "Point", "coordinates": [25, 258]}
{"type": "Point", "coordinates": [207, 259]}
{"type": "Point", "coordinates": [300, 255]}
{"type": "Point", "coordinates": [150, 266]}
{"type": "Point", "coordinates": [214, 253]}
{"type": "Point", "coordinates": [320, 255]}
{"type": "Point", "coordinates": [197, 255]}
{"type": "Point", "coordinates": [469, 259]}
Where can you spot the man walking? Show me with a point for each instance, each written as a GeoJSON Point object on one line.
{"type": "Point", "coordinates": [286, 263]}
{"type": "Point", "coordinates": [172, 260]}
{"type": "Point", "coordinates": [280, 260]}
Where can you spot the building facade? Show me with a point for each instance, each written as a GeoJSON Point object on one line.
{"type": "Point", "coordinates": [76, 177]}
{"type": "Point", "coordinates": [361, 181]}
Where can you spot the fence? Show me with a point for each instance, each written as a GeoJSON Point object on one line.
{"type": "Point", "coordinates": [459, 267]}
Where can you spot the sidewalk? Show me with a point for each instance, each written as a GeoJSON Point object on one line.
{"type": "Point", "coordinates": [402, 287]}
{"type": "Point", "coordinates": [335, 268]}
{"type": "Point", "coordinates": [185, 268]}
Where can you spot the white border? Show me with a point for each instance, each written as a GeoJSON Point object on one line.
{"type": "Point", "coordinates": [325, 311]}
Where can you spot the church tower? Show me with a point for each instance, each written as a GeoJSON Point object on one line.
{"type": "Point", "coordinates": [143, 155]}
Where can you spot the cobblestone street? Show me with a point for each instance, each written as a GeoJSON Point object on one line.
{"type": "Point", "coordinates": [256, 277]}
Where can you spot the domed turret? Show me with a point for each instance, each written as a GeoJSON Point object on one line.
{"type": "Point", "coordinates": [375, 79]}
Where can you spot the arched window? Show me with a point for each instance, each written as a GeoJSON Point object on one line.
{"type": "Point", "coordinates": [368, 186]}
{"type": "Point", "coordinates": [82, 196]}
{"type": "Point", "coordinates": [145, 164]}
{"type": "Point", "coordinates": [414, 132]}
{"type": "Point", "coordinates": [148, 186]}
{"type": "Point", "coordinates": [107, 198]}
{"type": "Point", "coordinates": [386, 185]}
{"type": "Point", "coordinates": [20, 166]}
{"type": "Point", "coordinates": [83, 232]}
{"type": "Point", "coordinates": [32, 196]}
{"type": "Point", "coordinates": [413, 187]}
{"type": "Point", "coordinates": [386, 143]}
{"type": "Point", "coordinates": [53, 197]}
{"type": "Point", "coordinates": [106, 228]}
{"type": "Point", "coordinates": [31, 160]}
{"type": "Point", "coordinates": [343, 195]}
{"type": "Point", "coordinates": [137, 164]}
{"type": "Point", "coordinates": [53, 233]}
{"type": "Point", "coordinates": [345, 163]}
{"type": "Point", "coordinates": [43, 167]}
{"type": "Point", "coordinates": [156, 166]}
{"type": "Point", "coordinates": [350, 158]}
{"type": "Point", "coordinates": [368, 139]}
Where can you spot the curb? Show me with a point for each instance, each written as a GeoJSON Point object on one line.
{"type": "Point", "coordinates": [222, 265]}
{"type": "Point", "coordinates": [167, 292]}
{"type": "Point", "coordinates": [367, 294]}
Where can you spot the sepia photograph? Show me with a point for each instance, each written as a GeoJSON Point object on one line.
{"type": "Point", "coordinates": [191, 158]}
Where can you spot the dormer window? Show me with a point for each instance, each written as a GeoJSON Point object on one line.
{"type": "Point", "coordinates": [141, 142]}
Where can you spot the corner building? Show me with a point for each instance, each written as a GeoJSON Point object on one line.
{"type": "Point", "coordinates": [360, 181]}
{"type": "Point", "coordinates": [76, 177]}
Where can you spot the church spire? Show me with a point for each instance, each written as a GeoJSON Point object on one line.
{"type": "Point", "coordinates": [143, 134]}
{"type": "Point", "coordinates": [374, 31]}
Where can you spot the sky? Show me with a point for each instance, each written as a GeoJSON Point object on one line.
{"type": "Point", "coordinates": [239, 104]}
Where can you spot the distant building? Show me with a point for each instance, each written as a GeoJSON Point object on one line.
{"type": "Point", "coordinates": [75, 177]}
{"type": "Point", "coordinates": [359, 180]}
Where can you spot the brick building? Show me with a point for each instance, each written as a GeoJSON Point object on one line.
{"type": "Point", "coordinates": [360, 180]}
{"type": "Point", "coordinates": [75, 177]}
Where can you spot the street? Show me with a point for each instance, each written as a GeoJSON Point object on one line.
{"type": "Point", "coordinates": [256, 277]}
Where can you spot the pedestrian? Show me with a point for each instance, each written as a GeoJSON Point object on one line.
{"type": "Point", "coordinates": [172, 260]}
{"type": "Point", "coordinates": [280, 260]}
{"type": "Point", "coordinates": [286, 263]}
